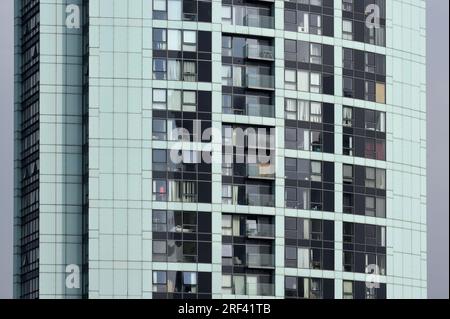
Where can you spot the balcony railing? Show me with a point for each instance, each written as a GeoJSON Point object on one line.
{"type": "Point", "coordinates": [260, 52]}
{"type": "Point", "coordinates": [262, 110]}
{"type": "Point", "coordinates": [259, 81]}
{"type": "Point", "coordinates": [263, 171]}
{"type": "Point", "coordinates": [264, 200]}
{"type": "Point", "coordinates": [261, 230]}
{"type": "Point", "coordinates": [260, 260]}
{"type": "Point", "coordinates": [260, 289]}
{"type": "Point", "coordinates": [259, 21]}
{"type": "Point", "coordinates": [253, 109]}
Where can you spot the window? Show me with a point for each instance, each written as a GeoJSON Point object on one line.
{"type": "Point", "coordinates": [347, 116]}
{"type": "Point", "coordinates": [316, 171]}
{"type": "Point", "coordinates": [315, 24]}
{"type": "Point", "coordinates": [174, 40]}
{"type": "Point", "coordinates": [380, 89]}
{"type": "Point", "coordinates": [369, 62]}
{"type": "Point", "coordinates": [159, 99]}
{"type": "Point", "coordinates": [159, 39]}
{"type": "Point", "coordinates": [226, 284]}
{"type": "Point", "coordinates": [316, 112]}
{"type": "Point", "coordinates": [290, 80]}
{"type": "Point", "coordinates": [303, 81]}
{"type": "Point", "coordinates": [189, 41]}
{"type": "Point", "coordinates": [159, 69]}
{"type": "Point", "coordinates": [348, 174]}
{"type": "Point", "coordinates": [380, 179]}
{"type": "Point", "coordinates": [227, 14]}
{"type": "Point", "coordinates": [159, 9]}
{"type": "Point", "coordinates": [189, 71]}
{"type": "Point", "coordinates": [290, 109]}
{"type": "Point", "coordinates": [303, 258]}
{"type": "Point", "coordinates": [291, 256]}
{"type": "Point", "coordinates": [159, 247]}
{"type": "Point", "coordinates": [290, 50]}
{"type": "Point", "coordinates": [159, 190]}
{"type": "Point", "coordinates": [303, 111]}
{"type": "Point", "coordinates": [315, 85]}
{"type": "Point", "coordinates": [226, 46]}
{"type": "Point", "coordinates": [348, 145]}
{"type": "Point", "coordinates": [174, 9]}
{"type": "Point", "coordinates": [189, 282]}
{"type": "Point", "coordinates": [227, 228]}
{"type": "Point", "coordinates": [159, 221]}
{"type": "Point", "coordinates": [159, 130]}
{"type": "Point", "coordinates": [348, 87]}
{"type": "Point", "coordinates": [174, 100]}
{"type": "Point", "coordinates": [316, 53]}
{"type": "Point", "coordinates": [347, 5]}
{"type": "Point", "coordinates": [173, 70]}
{"type": "Point", "coordinates": [369, 91]}
{"type": "Point", "coordinates": [370, 206]}
{"type": "Point", "coordinates": [189, 101]}
{"type": "Point", "coordinates": [380, 207]}
{"type": "Point", "coordinates": [370, 177]}
{"type": "Point", "coordinates": [159, 278]}
{"type": "Point", "coordinates": [348, 58]}
{"type": "Point", "coordinates": [347, 30]}
{"type": "Point", "coordinates": [227, 194]}
{"type": "Point", "coordinates": [316, 141]}
{"type": "Point", "coordinates": [348, 285]}
{"type": "Point", "coordinates": [227, 78]}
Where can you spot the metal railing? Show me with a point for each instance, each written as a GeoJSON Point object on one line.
{"type": "Point", "coordinates": [264, 200]}
{"type": "Point", "coordinates": [259, 21]}
{"type": "Point", "coordinates": [261, 230]}
{"type": "Point", "coordinates": [266, 171]}
{"type": "Point", "coordinates": [260, 289]}
{"type": "Point", "coordinates": [260, 260]}
{"type": "Point", "coordinates": [259, 81]}
{"type": "Point", "coordinates": [263, 52]}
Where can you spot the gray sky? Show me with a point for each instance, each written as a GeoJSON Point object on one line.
{"type": "Point", "coordinates": [438, 151]}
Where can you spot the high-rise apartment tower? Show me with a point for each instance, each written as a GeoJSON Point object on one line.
{"type": "Point", "coordinates": [102, 209]}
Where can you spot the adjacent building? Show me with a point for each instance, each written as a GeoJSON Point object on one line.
{"type": "Point", "coordinates": [102, 209]}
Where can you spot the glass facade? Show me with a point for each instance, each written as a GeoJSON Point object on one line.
{"type": "Point", "coordinates": [339, 200]}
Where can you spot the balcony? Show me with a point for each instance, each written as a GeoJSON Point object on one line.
{"type": "Point", "coordinates": [265, 261]}
{"type": "Point", "coordinates": [259, 21]}
{"type": "Point", "coordinates": [261, 171]}
{"type": "Point", "coordinates": [264, 200]}
{"type": "Point", "coordinates": [260, 289]}
{"type": "Point", "coordinates": [260, 82]}
{"type": "Point", "coordinates": [260, 52]}
{"type": "Point", "coordinates": [261, 110]}
{"type": "Point", "coordinates": [261, 231]}
{"type": "Point", "coordinates": [253, 109]}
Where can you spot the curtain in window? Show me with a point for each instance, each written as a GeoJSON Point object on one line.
{"type": "Point", "coordinates": [235, 194]}
{"type": "Point", "coordinates": [174, 191]}
{"type": "Point", "coordinates": [303, 81]}
{"type": "Point", "coordinates": [173, 70]}
{"type": "Point", "coordinates": [189, 71]}
{"type": "Point", "coordinates": [303, 111]}
{"type": "Point", "coordinates": [348, 114]}
{"type": "Point", "coordinates": [303, 259]}
{"type": "Point", "coordinates": [316, 112]}
{"type": "Point", "coordinates": [237, 76]}
{"type": "Point", "coordinates": [303, 140]}
{"type": "Point", "coordinates": [291, 109]}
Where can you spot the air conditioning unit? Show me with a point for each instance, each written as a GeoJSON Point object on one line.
{"type": "Point", "coordinates": [302, 29]}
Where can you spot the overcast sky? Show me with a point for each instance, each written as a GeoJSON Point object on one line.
{"type": "Point", "coordinates": [438, 174]}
